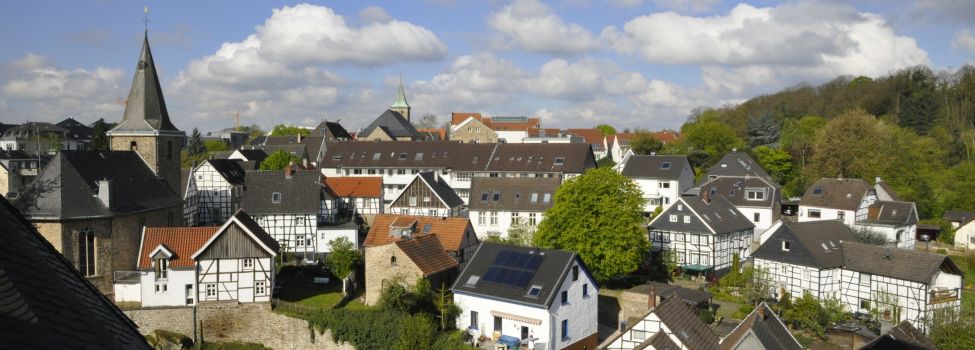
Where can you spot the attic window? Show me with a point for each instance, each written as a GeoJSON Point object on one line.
{"type": "Point", "coordinates": [376, 156]}
{"type": "Point", "coordinates": [497, 197]}
{"type": "Point", "coordinates": [712, 191]}
{"type": "Point", "coordinates": [276, 197]}
{"type": "Point", "coordinates": [818, 191]}
{"type": "Point", "coordinates": [535, 291]}
{"type": "Point", "coordinates": [548, 197]}
{"type": "Point", "coordinates": [427, 228]}
{"type": "Point", "coordinates": [732, 211]}
{"type": "Point", "coordinates": [706, 217]}
{"type": "Point", "coordinates": [475, 159]}
{"type": "Point", "coordinates": [826, 248]}
{"type": "Point", "coordinates": [559, 160]}
{"type": "Point", "coordinates": [534, 197]}
{"type": "Point", "coordinates": [337, 157]}
{"type": "Point", "coordinates": [402, 156]}
{"type": "Point", "coordinates": [785, 246]}
{"type": "Point", "coordinates": [419, 156]}
{"type": "Point", "coordinates": [665, 165]}
{"type": "Point", "coordinates": [484, 197]}
{"type": "Point", "coordinates": [472, 280]}
{"type": "Point", "coordinates": [517, 195]}
{"type": "Point", "coordinates": [717, 216]}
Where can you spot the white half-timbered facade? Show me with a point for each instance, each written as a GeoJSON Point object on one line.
{"type": "Point", "coordinates": [500, 202]}
{"type": "Point", "coordinates": [352, 195]}
{"type": "Point", "coordinates": [287, 204]}
{"type": "Point", "coordinates": [756, 198]}
{"type": "Point", "coordinates": [895, 220]}
{"type": "Point", "coordinates": [213, 192]}
{"type": "Point", "coordinates": [705, 233]}
{"type": "Point", "coordinates": [671, 325]}
{"type": "Point", "coordinates": [428, 195]}
{"type": "Point", "coordinates": [662, 179]}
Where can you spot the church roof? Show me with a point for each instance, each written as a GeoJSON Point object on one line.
{"type": "Point", "coordinates": [145, 109]}
{"type": "Point", "coordinates": [400, 101]}
{"type": "Point", "coordinates": [393, 123]}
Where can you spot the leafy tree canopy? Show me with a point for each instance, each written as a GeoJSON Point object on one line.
{"type": "Point", "coordinates": [713, 137]}
{"type": "Point", "coordinates": [598, 215]}
{"type": "Point", "coordinates": [343, 258]}
{"type": "Point", "coordinates": [285, 129]}
{"type": "Point", "coordinates": [216, 146]}
{"type": "Point", "coordinates": [645, 143]}
{"type": "Point", "coordinates": [279, 160]}
{"type": "Point", "coordinates": [775, 161]}
{"type": "Point", "coordinates": [606, 129]}
{"type": "Point", "coordinates": [99, 141]}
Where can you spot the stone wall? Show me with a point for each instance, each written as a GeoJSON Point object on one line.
{"type": "Point", "coordinates": [380, 270]}
{"type": "Point", "coordinates": [230, 321]}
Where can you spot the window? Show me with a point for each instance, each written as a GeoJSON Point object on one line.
{"type": "Point", "coordinates": [565, 297]}
{"type": "Point", "coordinates": [498, 323]}
{"type": "Point", "coordinates": [484, 197]}
{"type": "Point", "coordinates": [276, 197]}
{"type": "Point", "coordinates": [481, 218]}
{"type": "Point", "coordinates": [565, 329]}
{"type": "Point", "coordinates": [865, 278]}
{"type": "Point", "coordinates": [300, 240]}
{"type": "Point", "coordinates": [814, 213]}
{"type": "Point", "coordinates": [575, 273]}
{"type": "Point", "coordinates": [170, 219]}
{"type": "Point", "coordinates": [534, 198]}
{"type": "Point", "coordinates": [548, 198]}
{"type": "Point", "coordinates": [464, 177]}
{"type": "Point", "coordinates": [496, 197]}
{"type": "Point", "coordinates": [864, 304]}
{"type": "Point", "coordinates": [585, 290]}
{"type": "Point", "coordinates": [474, 319]}
{"type": "Point", "coordinates": [757, 217]}
{"type": "Point", "coordinates": [532, 220]}
{"type": "Point", "coordinates": [86, 252]}
{"type": "Point", "coordinates": [260, 288]}
{"type": "Point", "coordinates": [392, 260]}
{"type": "Point", "coordinates": [663, 184]}
{"type": "Point", "coordinates": [189, 294]}
{"type": "Point", "coordinates": [559, 160]}
{"type": "Point", "coordinates": [426, 200]}
{"type": "Point", "coordinates": [376, 156]}
{"type": "Point", "coordinates": [494, 218]}
{"type": "Point", "coordinates": [412, 201]}
{"type": "Point", "coordinates": [687, 219]}
{"type": "Point", "coordinates": [818, 191]}
{"type": "Point", "coordinates": [673, 218]}
{"type": "Point", "coordinates": [535, 291]}
{"type": "Point", "coordinates": [841, 215]}
{"type": "Point", "coordinates": [785, 246]}
{"type": "Point", "coordinates": [680, 207]}
{"type": "Point", "coordinates": [419, 156]}
{"type": "Point", "coordinates": [211, 289]}
{"type": "Point", "coordinates": [665, 165]}
{"type": "Point", "coordinates": [133, 146]}
{"type": "Point", "coordinates": [755, 195]}
{"type": "Point", "coordinates": [639, 335]}
{"type": "Point", "coordinates": [248, 263]}
{"type": "Point", "coordinates": [162, 287]}
{"type": "Point", "coordinates": [515, 219]}
{"type": "Point", "coordinates": [161, 269]}
{"type": "Point", "coordinates": [402, 156]}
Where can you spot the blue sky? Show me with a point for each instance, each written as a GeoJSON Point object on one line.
{"type": "Point", "coordinates": [575, 63]}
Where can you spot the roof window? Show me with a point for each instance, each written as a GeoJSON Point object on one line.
{"type": "Point", "coordinates": [534, 198]}
{"type": "Point", "coordinates": [276, 197]}
{"type": "Point", "coordinates": [665, 165]}
{"type": "Point", "coordinates": [818, 191]}
{"type": "Point", "coordinates": [337, 157]}
{"type": "Point", "coordinates": [472, 280]}
{"type": "Point", "coordinates": [419, 156]}
{"type": "Point", "coordinates": [475, 159]}
{"type": "Point", "coordinates": [376, 156]}
{"type": "Point", "coordinates": [402, 156]}
{"type": "Point", "coordinates": [484, 197]}
{"type": "Point", "coordinates": [548, 197]}
{"type": "Point", "coordinates": [559, 160]}
{"type": "Point", "coordinates": [785, 246]}
{"type": "Point", "coordinates": [497, 197]}
{"type": "Point", "coordinates": [535, 291]}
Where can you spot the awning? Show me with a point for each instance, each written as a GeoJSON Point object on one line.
{"type": "Point", "coordinates": [513, 317]}
{"type": "Point", "coordinates": [697, 268]}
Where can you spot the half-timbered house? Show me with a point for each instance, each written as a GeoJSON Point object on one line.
{"type": "Point", "coordinates": [762, 329]}
{"type": "Point", "coordinates": [500, 202]}
{"type": "Point", "coordinates": [704, 232]}
{"type": "Point", "coordinates": [428, 195]}
{"type": "Point", "coordinates": [213, 192]}
{"type": "Point", "coordinates": [661, 179]}
{"type": "Point", "coordinates": [361, 195]}
{"type": "Point", "coordinates": [670, 325]}
{"type": "Point", "coordinates": [804, 257]}
{"type": "Point", "coordinates": [287, 205]}
{"type": "Point", "coordinates": [756, 198]}
{"type": "Point", "coordinates": [835, 199]}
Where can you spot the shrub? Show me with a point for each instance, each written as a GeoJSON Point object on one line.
{"type": "Point", "coordinates": [942, 251]}
{"type": "Point", "coordinates": [743, 311]}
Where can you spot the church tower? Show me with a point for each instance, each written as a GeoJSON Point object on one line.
{"type": "Point", "coordinates": [400, 105]}
{"type": "Point", "coordinates": [145, 127]}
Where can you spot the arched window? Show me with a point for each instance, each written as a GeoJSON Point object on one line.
{"type": "Point", "coordinates": [133, 146]}
{"type": "Point", "coordinates": [392, 261]}
{"type": "Point", "coordinates": [86, 252]}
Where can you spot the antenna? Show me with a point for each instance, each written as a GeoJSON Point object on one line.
{"type": "Point", "coordinates": [236, 116]}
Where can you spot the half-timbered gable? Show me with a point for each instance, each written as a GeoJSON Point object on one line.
{"type": "Point", "coordinates": [500, 202]}
{"type": "Point", "coordinates": [800, 257]}
{"type": "Point", "coordinates": [670, 325]}
{"type": "Point", "coordinates": [661, 179]}
{"type": "Point", "coordinates": [428, 195]}
{"type": "Point", "coordinates": [895, 220]}
{"type": "Point", "coordinates": [237, 262]}
{"type": "Point", "coordinates": [705, 232]}
{"type": "Point", "coordinates": [287, 205]}
{"type": "Point", "coordinates": [352, 195]}
{"type": "Point", "coordinates": [456, 234]}
{"type": "Point", "coordinates": [756, 198]}
{"type": "Point", "coordinates": [217, 185]}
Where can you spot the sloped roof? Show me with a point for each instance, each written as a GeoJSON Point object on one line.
{"type": "Point", "coordinates": [45, 303]}
{"type": "Point", "coordinates": [67, 188]}
{"type": "Point", "coordinates": [891, 213]}
{"type": "Point", "coordinates": [903, 336]}
{"type": "Point", "coordinates": [301, 194]}
{"type": "Point", "coordinates": [356, 186]}
{"type": "Point", "coordinates": [427, 253]}
{"type": "Point", "coordinates": [516, 193]}
{"type": "Point", "coordinates": [884, 186]}
{"type": "Point", "coordinates": [844, 194]}
{"type": "Point", "coordinates": [441, 188]}
{"type": "Point", "coordinates": [145, 109]}
{"type": "Point", "coordinates": [229, 170]}
{"type": "Point", "coordinates": [449, 231]}
{"type": "Point", "coordinates": [733, 189]}
{"type": "Point", "coordinates": [253, 154]}
{"type": "Point", "coordinates": [332, 130]}
{"type": "Point", "coordinates": [394, 123]}
{"type": "Point", "coordinates": [655, 167]}
{"type": "Point", "coordinates": [904, 264]}
{"type": "Point", "coordinates": [436, 134]}
{"type": "Point", "coordinates": [659, 341]}
{"type": "Point", "coordinates": [459, 117]}
{"type": "Point", "coordinates": [958, 216]}
{"type": "Point", "coordinates": [685, 324]}
{"type": "Point", "coordinates": [76, 129]}
{"type": "Point", "coordinates": [258, 233]}
{"type": "Point", "coordinates": [738, 164]}
{"type": "Point", "coordinates": [592, 136]}
{"type": "Point", "coordinates": [181, 241]}
{"type": "Point", "coordinates": [14, 155]}
{"type": "Point", "coordinates": [768, 329]}
{"type": "Point", "coordinates": [714, 216]}
{"type": "Point", "coordinates": [813, 243]}
{"type": "Point", "coordinates": [554, 267]}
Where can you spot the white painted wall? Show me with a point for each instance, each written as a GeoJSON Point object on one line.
{"type": "Point", "coordinates": [965, 236]}
{"type": "Point", "coordinates": [129, 292]}
{"type": "Point", "coordinates": [175, 294]}
{"type": "Point", "coordinates": [907, 234]}
{"type": "Point", "coordinates": [483, 227]}
{"type": "Point", "coordinates": [510, 136]}
{"type": "Point", "coordinates": [849, 216]}
{"type": "Point", "coordinates": [581, 311]}
{"type": "Point", "coordinates": [295, 233]}
{"type": "Point", "coordinates": [327, 234]}
{"type": "Point", "coordinates": [765, 216]}
{"type": "Point", "coordinates": [485, 321]}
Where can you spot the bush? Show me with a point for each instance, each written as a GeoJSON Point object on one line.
{"type": "Point", "coordinates": [942, 251]}
{"type": "Point", "coordinates": [743, 311]}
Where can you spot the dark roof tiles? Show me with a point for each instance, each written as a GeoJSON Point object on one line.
{"type": "Point", "coordinates": [845, 194]}
{"type": "Point", "coordinates": [656, 167]}
{"type": "Point", "coordinates": [301, 194]}
{"type": "Point", "coordinates": [518, 194]}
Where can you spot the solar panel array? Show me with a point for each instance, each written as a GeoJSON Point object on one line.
{"type": "Point", "coordinates": [513, 269]}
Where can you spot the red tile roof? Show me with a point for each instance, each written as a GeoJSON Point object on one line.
{"type": "Point", "coordinates": [440, 132]}
{"type": "Point", "coordinates": [356, 186]}
{"type": "Point", "coordinates": [182, 241]}
{"type": "Point", "coordinates": [666, 136]}
{"type": "Point", "coordinates": [459, 117]}
{"type": "Point", "coordinates": [427, 253]}
{"type": "Point", "coordinates": [532, 123]}
{"type": "Point", "coordinates": [450, 231]}
{"type": "Point", "coordinates": [592, 136]}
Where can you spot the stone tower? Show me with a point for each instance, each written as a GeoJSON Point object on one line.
{"type": "Point", "coordinates": [400, 105]}
{"type": "Point", "coordinates": [145, 127]}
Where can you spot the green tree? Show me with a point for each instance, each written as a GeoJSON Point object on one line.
{"type": "Point", "coordinates": [955, 331]}
{"type": "Point", "coordinates": [421, 334]}
{"type": "Point", "coordinates": [775, 161]}
{"type": "Point", "coordinates": [289, 130]}
{"type": "Point", "coordinates": [713, 137]}
{"type": "Point", "coordinates": [521, 233]}
{"type": "Point", "coordinates": [606, 129]}
{"type": "Point", "coordinates": [799, 136]}
{"type": "Point", "coordinates": [99, 139]}
{"type": "Point", "coordinates": [253, 131]}
{"type": "Point", "coordinates": [868, 236]}
{"type": "Point", "coordinates": [853, 145]}
{"type": "Point", "coordinates": [605, 162]}
{"type": "Point", "coordinates": [195, 146]}
{"type": "Point", "coordinates": [814, 315]}
{"type": "Point", "coordinates": [645, 143]}
{"type": "Point", "coordinates": [763, 131]}
{"type": "Point", "coordinates": [598, 215]}
{"type": "Point", "coordinates": [279, 160]}
{"type": "Point", "coordinates": [216, 146]}
{"type": "Point", "coordinates": [343, 258]}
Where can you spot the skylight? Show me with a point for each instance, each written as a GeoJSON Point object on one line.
{"type": "Point", "coordinates": [818, 191]}
{"type": "Point", "coordinates": [427, 228]}
{"type": "Point", "coordinates": [337, 157]}
{"type": "Point", "coordinates": [484, 196]}
{"type": "Point", "coordinates": [497, 197]}
{"type": "Point", "coordinates": [665, 165]}
{"type": "Point", "coordinates": [402, 156]}
{"type": "Point", "coordinates": [376, 156]}
{"type": "Point", "coordinates": [535, 291]}
{"type": "Point", "coordinates": [473, 280]}
{"type": "Point", "coordinates": [534, 197]}
{"type": "Point", "coordinates": [419, 156]}
{"type": "Point", "coordinates": [548, 197]}
{"type": "Point", "coordinates": [559, 160]}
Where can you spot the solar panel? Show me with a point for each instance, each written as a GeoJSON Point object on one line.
{"type": "Point", "coordinates": [513, 276]}
{"type": "Point", "coordinates": [534, 262]}
{"type": "Point", "coordinates": [513, 269]}
{"type": "Point", "coordinates": [522, 261]}
{"type": "Point", "coordinates": [502, 275]}
{"type": "Point", "coordinates": [491, 275]}
{"type": "Point", "coordinates": [511, 259]}
{"type": "Point", "coordinates": [524, 279]}
{"type": "Point", "coordinates": [500, 258]}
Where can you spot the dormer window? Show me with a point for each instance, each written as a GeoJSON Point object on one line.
{"type": "Point", "coordinates": [162, 268]}
{"type": "Point", "coordinates": [665, 165]}
{"type": "Point", "coordinates": [755, 195]}
{"type": "Point", "coordinates": [559, 160]}
{"type": "Point", "coordinates": [276, 197]}
{"type": "Point", "coordinates": [785, 246]}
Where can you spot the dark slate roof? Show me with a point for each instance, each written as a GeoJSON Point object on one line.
{"type": "Point", "coordinates": [903, 336]}
{"type": "Point", "coordinates": [441, 188]}
{"type": "Point", "coordinates": [737, 164]}
{"type": "Point", "coordinates": [714, 216]}
{"type": "Point", "coordinates": [145, 109]}
{"type": "Point", "coordinates": [500, 157]}
{"type": "Point", "coordinates": [257, 140]}
{"type": "Point", "coordinates": [332, 130]}
{"type": "Point", "coordinates": [516, 193]}
{"type": "Point", "coordinates": [229, 169]}
{"type": "Point", "coordinates": [276, 140]}
{"type": "Point", "coordinates": [258, 231]}
{"type": "Point", "coordinates": [555, 266]}
{"type": "Point", "coordinates": [958, 216]}
{"type": "Point", "coordinates": [653, 167]}
{"type": "Point", "coordinates": [904, 264]}
{"type": "Point", "coordinates": [394, 123]}
{"type": "Point", "coordinates": [692, 296]}
{"type": "Point", "coordinates": [890, 213]}
{"type": "Point", "coordinates": [659, 341]}
{"type": "Point", "coordinates": [45, 303]}
{"type": "Point", "coordinates": [67, 188]}
{"type": "Point", "coordinates": [300, 150]}
{"type": "Point", "coordinates": [685, 324]}
{"type": "Point", "coordinates": [768, 328]}
{"type": "Point", "coordinates": [14, 155]}
{"type": "Point", "coordinates": [301, 194]}
{"type": "Point", "coordinates": [5, 127]}
{"type": "Point", "coordinates": [253, 154]}
{"type": "Point", "coordinates": [806, 240]}
{"type": "Point", "coordinates": [733, 189]}
{"type": "Point", "coordinates": [77, 130]}
{"type": "Point", "coordinates": [844, 194]}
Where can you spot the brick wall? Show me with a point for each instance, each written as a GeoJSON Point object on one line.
{"type": "Point", "coordinates": [380, 270]}
{"type": "Point", "coordinates": [230, 321]}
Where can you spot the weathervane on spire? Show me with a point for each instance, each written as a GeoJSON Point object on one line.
{"type": "Point", "coordinates": [145, 20]}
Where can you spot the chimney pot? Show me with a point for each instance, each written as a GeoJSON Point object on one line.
{"type": "Point", "coordinates": [761, 312]}
{"type": "Point", "coordinates": [288, 171]}
{"type": "Point", "coordinates": [652, 297]}
{"type": "Point", "coordinates": [879, 180]}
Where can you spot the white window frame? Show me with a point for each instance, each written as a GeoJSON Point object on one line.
{"type": "Point", "coordinates": [673, 218]}
{"type": "Point", "coordinates": [211, 290]}
{"type": "Point", "coordinates": [260, 288]}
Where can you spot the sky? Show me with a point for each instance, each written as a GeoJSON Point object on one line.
{"type": "Point", "coordinates": [573, 63]}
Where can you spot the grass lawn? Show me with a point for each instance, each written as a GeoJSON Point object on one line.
{"type": "Point", "coordinates": [968, 300]}
{"type": "Point", "coordinates": [297, 286]}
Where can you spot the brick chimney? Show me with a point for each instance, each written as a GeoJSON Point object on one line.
{"type": "Point", "coordinates": [288, 171]}
{"type": "Point", "coordinates": [761, 312]}
{"type": "Point", "coordinates": [652, 297]}
{"type": "Point", "coordinates": [707, 197]}
{"type": "Point", "coordinates": [105, 192]}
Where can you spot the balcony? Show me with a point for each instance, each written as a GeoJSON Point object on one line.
{"type": "Point", "coordinates": [938, 296]}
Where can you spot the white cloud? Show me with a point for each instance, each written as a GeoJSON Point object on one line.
{"type": "Point", "coordinates": [752, 47]}
{"type": "Point", "coordinates": [964, 40]}
{"type": "Point", "coordinates": [532, 26]}
{"type": "Point", "coordinates": [374, 14]}
{"type": "Point", "coordinates": [37, 90]}
{"type": "Point", "coordinates": [683, 6]}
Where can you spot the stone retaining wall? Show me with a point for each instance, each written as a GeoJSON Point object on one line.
{"type": "Point", "coordinates": [230, 321]}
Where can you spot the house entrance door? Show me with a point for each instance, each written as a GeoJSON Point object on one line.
{"type": "Point", "coordinates": [524, 332]}
{"type": "Point", "coordinates": [497, 324]}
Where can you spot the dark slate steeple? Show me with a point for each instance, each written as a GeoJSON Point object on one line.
{"type": "Point", "coordinates": [145, 109]}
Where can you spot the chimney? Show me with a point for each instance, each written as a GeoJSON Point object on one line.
{"type": "Point", "coordinates": [299, 137]}
{"type": "Point", "coordinates": [734, 150]}
{"type": "Point", "coordinates": [652, 297]}
{"type": "Point", "coordinates": [105, 192]}
{"type": "Point", "coordinates": [288, 171]}
{"type": "Point", "coordinates": [761, 312]}
{"type": "Point", "coordinates": [707, 197]}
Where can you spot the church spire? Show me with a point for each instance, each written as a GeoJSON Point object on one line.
{"type": "Point", "coordinates": [145, 109]}
{"type": "Point", "coordinates": [400, 105]}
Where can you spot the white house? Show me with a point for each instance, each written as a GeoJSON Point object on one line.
{"type": "Point", "coordinates": [835, 199]}
{"type": "Point", "coordinates": [756, 198]}
{"type": "Point", "coordinates": [500, 202]}
{"type": "Point", "coordinates": [187, 265]}
{"type": "Point", "coordinates": [705, 232]}
{"type": "Point", "coordinates": [895, 220]}
{"type": "Point", "coordinates": [958, 218]}
{"type": "Point", "coordinates": [428, 195]}
{"type": "Point", "coordinates": [671, 325]}
{"type": "Point", "coordinates": [213, 192]}
{"type": "Point", "coordinates": [287, 205]}
{"type": "Point", "coordinates": [361, 195]}
{"type": "Point", "coordinates": [890, 283]}
{"type": "Point", "coordinates": [661, 179]}
{"type": "Point", "coordinates": [544, 298]}
{"type": "Point", "coordinates": [965, 236]}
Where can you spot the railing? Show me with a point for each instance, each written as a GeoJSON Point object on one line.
{"type": "Point", "coordinates": [945, 295]}
{"type": "Point", "coordinates": [126, 276]}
